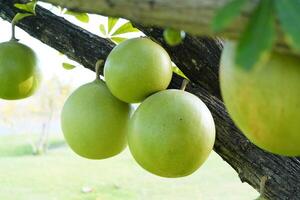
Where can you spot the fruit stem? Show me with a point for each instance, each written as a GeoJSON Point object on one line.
{"type": "Point", "coordinates": [184, 84]}
{"type": "Point", "coordinates": [99, 68]}
{"type": "Point", "coordinates": [13, 31]}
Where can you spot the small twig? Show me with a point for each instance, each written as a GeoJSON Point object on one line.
{"type": "Point", "coordinates": [263, 181]}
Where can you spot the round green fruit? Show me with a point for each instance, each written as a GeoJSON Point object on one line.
{"type": "Point", "coordinates": [136, 69]}
{"type": "Point", "coordinates": [171, 133]}
{"type": "Point", "coordinates": [264, 102]}
{"type": "Point", "coordinates": [173, 37]}
{"type": "Point", "coordinates": [19, 74]}
{"type": "Point", "coordinates": [94, 122]}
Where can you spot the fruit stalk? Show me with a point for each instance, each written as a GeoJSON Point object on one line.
{"type": "Point", "coordinates": [185, 82]}
{"type": "Point", "coordinates": [99, 65]}
{"type": "Point", "coordinates": [13, 30]}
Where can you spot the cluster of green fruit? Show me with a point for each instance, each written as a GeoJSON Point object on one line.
{"type": "Point", "coordinates": [264, 102]}
{"type": "Point", "coordinates": [171, 133]}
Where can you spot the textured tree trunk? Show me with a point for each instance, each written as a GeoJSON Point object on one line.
{"type": "Point", "coordinates": [198, 58]}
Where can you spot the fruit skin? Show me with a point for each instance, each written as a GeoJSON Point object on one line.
{"type": "Point", "coordinates": [171, 133]}
{"type": "Point", "coordinates": [94, 122]}
{"type": "Point", "coordinates": [173, 37]}
{"type": "Point", "coordinates": [19, 73]}
{"type": "Point", "coordinates": [136, 69]}
{"type": "Point", "coordinates": [265, 101]}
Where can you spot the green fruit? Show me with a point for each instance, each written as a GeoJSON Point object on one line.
{"type": "Point", "coordinates": [19, 74]}
{"type": "Point", "coordinates": [173, 37]}
{"type": "Point", "coordinates": [94, 122]}
{"type": "Point", "coordinates": [171, 133]}
{"type": "Point", "coordinates": [265, 101]}
{"type": "Point", "coordinates": [136, 69]}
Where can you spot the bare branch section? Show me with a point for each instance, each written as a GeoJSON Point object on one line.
{"type": "Point", "coordinates": [198, 58]}
{"type": "Point", "coordinates": [193, 16]}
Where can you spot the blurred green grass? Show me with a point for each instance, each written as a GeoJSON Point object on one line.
{"type": "Point", "coordinates": [61, 175]}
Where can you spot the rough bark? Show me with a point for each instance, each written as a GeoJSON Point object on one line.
{"type": "Point", "coordinates": [193, 16]}
{"type": "Point", "coordinates": [198, 58]}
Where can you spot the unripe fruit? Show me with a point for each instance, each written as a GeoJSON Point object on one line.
{"type": "Point", "coordinates": [19, 74]}
{"type": "Point", "coordinates": [173, 37]}
{"type": "Point", "coordinates": [264, 102]}
{"type": "Point", "coordinates": [136, 69]}
{"type": "Point", "coordinates": [171, 133]}
{"type": "Point", "coordinates": [94, 122]}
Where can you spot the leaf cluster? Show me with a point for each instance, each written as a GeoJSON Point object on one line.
{"type": "Point", "coordinates": [114, 33]}
{"type": "Point", "coordinates": [27, 9]}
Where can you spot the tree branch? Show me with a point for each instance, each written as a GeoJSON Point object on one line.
{"type": "Point", "coordinates": [60, 34]}
{"type": "Point", "coordinates": [192, 16]}
{"type": "Point", "coordinates": [198, 58]}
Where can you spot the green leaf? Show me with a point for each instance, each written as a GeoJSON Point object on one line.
{"type": "Point", "coordinates": [68, 66]}
{"type": "Point", "coordinates": [111, 22]}
{"type": "Point", "coordinates": [259, 36]}
{"type": "Point", "coordinates": [28, 7]}
{"type": "Point", "coordinates": [177, 71]}
{"type": "Point", "coordinates": [125, 28]}
{"type": "Point", "coordinates": [21, 6]}
{"type": "Point", "coordinates": [227, 14]}
{"type": "Point", "coordinates": [20, 16]}
{"type": "Point", "coordinates": [118, 39]}
{"type": "Point", "coordinates": [83, 17]}
{"type": "Point", "coordinates": [289, 17]}
{"type": "Point", "coordinates": [102, 29]}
